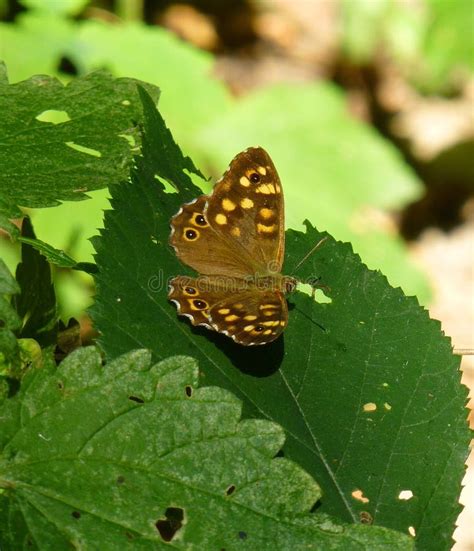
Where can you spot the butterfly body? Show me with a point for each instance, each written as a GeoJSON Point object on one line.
{"type": "Point", "coordinates": [234, 238]}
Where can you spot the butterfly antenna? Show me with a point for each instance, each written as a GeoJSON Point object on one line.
{"type": "Point", "coordinates": [307, 255]}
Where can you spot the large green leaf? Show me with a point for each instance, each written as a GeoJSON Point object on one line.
{"type": "Point", "coordinates": [135, 455]}
{"type": "Point", "coordinates": [365, 387]}
{"type": "Point", "coordinates": [85, 148]}
{"type": "Point", "coordinates": [335, 169]}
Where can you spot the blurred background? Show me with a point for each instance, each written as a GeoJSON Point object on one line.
{"type": "Point", "coordinates": [366, 107]}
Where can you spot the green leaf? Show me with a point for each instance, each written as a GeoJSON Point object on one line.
{"type": "Point", "coordinates": [85, 148]}
{"type": "Point", "coordinates": [36, 303]}
{"type": "Point", "coordinates": [153, 457]}
{"type": "Point", "coordinates": [9, 322]}
{"type": "Point", "coordinates": [335, 169]}
{"type": "Point", "coordinates": [52, 255]}
{"type": "Point", "coordinates": [370, 346]}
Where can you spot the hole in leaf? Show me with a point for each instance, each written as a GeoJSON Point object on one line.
{"type": "Point", "coordinates": [53, 116]}
{"type": "Point", "coordinates": [76, 514]}
{"type": "Point", "coordinates": [230, 490]}
{"type": "Point", "coordinates": [171, 524]}
{"type": "Point", "coordinates": [126, 102]}
{"type": "Point", "coordinates": [387, 406]}
{"type": "Point", "coordinates": [84, 149]}
{"type": "Point", "coordinates": [412, 531]}
{"type": "Point", "coordinates": [168, 186]}
{"type": "Point", "coordinates": [188, 390]}
{"type": "Point", "coordinates": [370, 406]}
{"type": "Point", "coordinates": [242, 535]}
{"type": "Point", "coordinates": [318, 293]}
{"type": "Point", "coordinates": [129, 139]}
{"type": "Point", "coordinates": [405, 495]}
{"type": "Point", "coordinates": [120, 479]}
{"type": "Point", "coordinates": [359, 495]}
{"type": "Point", "coordinates": [136, 399]}
{"type": "Point", "coordinates": [365, 517]}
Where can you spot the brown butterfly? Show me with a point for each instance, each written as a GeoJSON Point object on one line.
{"type": "Point", "coordinates": [235, 238]}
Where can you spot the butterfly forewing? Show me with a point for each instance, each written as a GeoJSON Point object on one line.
{"type": "Point", "coordinates": [198, 245]}
{"type": "Point", "coordinates": [246, 209]}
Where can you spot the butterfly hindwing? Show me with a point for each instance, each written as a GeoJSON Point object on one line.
{"type": "Point", "coordinates": [249, 316]}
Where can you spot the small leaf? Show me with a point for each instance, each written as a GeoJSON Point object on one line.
{"type": "Point", "coordinates": [52, 255]}
{"type": "Point", "coordinates": [147, 464]}
{"type": "Point", "coordinates": [369, 345]}
{"type": "Point", "coordinates": [36, 304]}
{"type": "Point", "coordinates": [43, 162]}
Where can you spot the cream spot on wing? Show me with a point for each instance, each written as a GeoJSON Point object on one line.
{"type": "Point", "coordinates": [265, 213]}
{"type": "Point", "coordinates": [278, 188]}
{"type": "Point", "coordinates": [267, 332]}
{"type": "Point", "coordinates": [283, 323]}
{"type": "Point", "coordinates": [250, 318]}
{"type": "Point", "coordinates": [239, 305]}
{"type": "Point", "coordinates": [246, 203]}
{"type": "Point", "coordinates": [244, 181]}
{"type": "Point", "coordinates": [271, 323]}
{"type": "Point", "coordinates": [268, 312]}
{"type": "Point", "coordinates": [248, 328]}
{"type": "Point", "coordinates": [231, 317]}
{"type": "Point", "coordinates": [228, 205]}
{"type": "Point", "coordinates": [262, 228]}
{"type": "Point", "coordinates": [265, 306]}
{"type": "Point", "coordinates": [235, 231]}
{"type": "Point", "coordinates": [262, 170]}
{"type": "Point", "coordinates": [266, 189]}
{"type": "Point", "coordinates": [221, 219]}
{"type": "Point", "coordinates": [223, 311]}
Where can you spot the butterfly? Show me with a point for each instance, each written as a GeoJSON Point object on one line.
{"type": "Point", "coordinates": [235, 238]}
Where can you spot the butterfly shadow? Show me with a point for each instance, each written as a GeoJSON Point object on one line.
{"type": "Point", "coordinates": [256, 361]}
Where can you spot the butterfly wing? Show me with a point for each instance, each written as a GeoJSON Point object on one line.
{"type": "Point", "coordinates": [247, 315]}
{"type": "Point", "coordinates": [238, 230]}
{"type": "Point", "coordinates": [198, 244]}
{"type": "Point", "coordinates": [246, 208]}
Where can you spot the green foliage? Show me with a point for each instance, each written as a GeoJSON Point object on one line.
{"type": "Point", "coordinates": [150, 443]}
{"type": "Point", "coordinates": [46, 162]}
{"type": "Point", "coordinates": [345, 159]}
{"type": "Point", "coordinates": [360, 385]}
{"type": "Point", "coordinates": [431, 43]}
